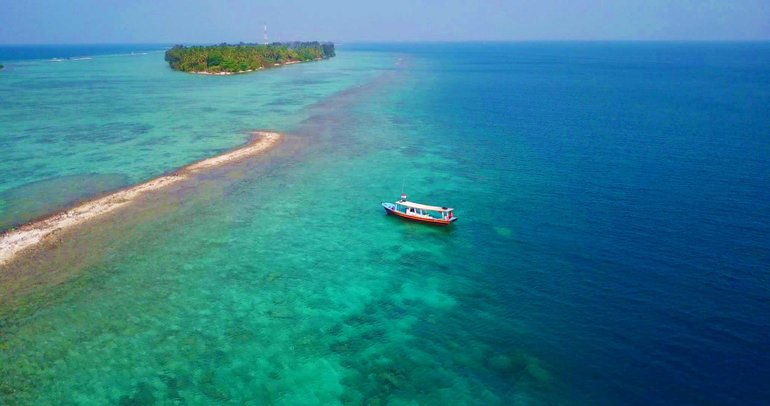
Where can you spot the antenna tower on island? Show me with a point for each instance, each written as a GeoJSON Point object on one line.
{"type": "Point", "coordinates": [264, 37]}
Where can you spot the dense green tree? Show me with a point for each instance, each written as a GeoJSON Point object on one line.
{"type": "Point", "coordinates": [244, 57]}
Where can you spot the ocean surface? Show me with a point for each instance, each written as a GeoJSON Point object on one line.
{"type": "Point", "coordinates": [612, 247]}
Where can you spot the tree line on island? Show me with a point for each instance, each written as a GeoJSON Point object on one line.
{"type": "Point", "coordinates": [227, 58]}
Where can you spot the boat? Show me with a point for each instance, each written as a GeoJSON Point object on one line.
{"type": "Point", "coordinates": [440, 216]}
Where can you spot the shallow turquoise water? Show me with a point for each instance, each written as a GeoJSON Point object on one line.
{"type": "Point", "coordinates": [609, 248]}
{"type": "Point", "coordinates": [130, 116]}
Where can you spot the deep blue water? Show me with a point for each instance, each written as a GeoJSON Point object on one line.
{"type": "Point", "coordinates": [635, 180]}
{"type": "Point", "coordinates": [612, 247]}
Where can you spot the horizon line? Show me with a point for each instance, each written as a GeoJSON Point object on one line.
{"type": "Point", "coordinates": [407, 42]}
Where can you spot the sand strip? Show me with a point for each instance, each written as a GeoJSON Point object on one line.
{"type": "Point", "coordinates": [13, 242]}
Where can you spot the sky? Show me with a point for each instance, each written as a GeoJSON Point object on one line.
{"type": "Point", "coordinates": [214, 21]}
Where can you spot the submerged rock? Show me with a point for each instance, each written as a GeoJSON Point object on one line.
{"type": "Point", "coordinates": [374, 402]}
{"type": "Point", "coordinates": [280, 314]}
{"type": "Point", "coordinates": [208, 387]}
{"type": "Point", "coordinates": [390, 379]}
{"type": "Point", "coordinates": [142, 396]}
{"type": "Point", "coordinates": [520, 366]}
{"type": "Point", "coordinates": [340, 347]}
{"type": "Point", "coordinates": [335, 330]}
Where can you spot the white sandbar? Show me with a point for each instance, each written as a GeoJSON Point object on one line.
{"type": "Point", "coordinates": [13, 242]}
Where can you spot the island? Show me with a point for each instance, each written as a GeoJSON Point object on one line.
{"type": "Point", "coordinates": [227, 59]}
{"type": "Point", "coordinates": [1, 66]}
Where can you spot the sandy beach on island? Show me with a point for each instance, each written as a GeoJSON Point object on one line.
{"type": "Point", "coordinates": [14, 242]}
{"type": "Point", "coordinates": [248, 70]}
